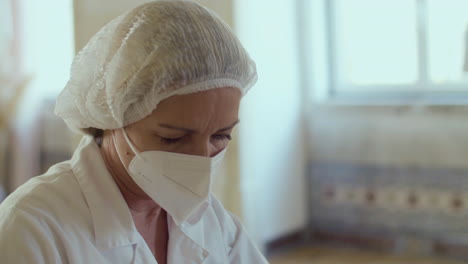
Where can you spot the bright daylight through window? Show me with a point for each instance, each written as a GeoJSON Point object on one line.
{"type": "Point", "coordinates": [396, 47]}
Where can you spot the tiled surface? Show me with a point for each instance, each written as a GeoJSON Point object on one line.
{"type": "Point", "coordinates": [419, 200]}
{"type": "Point", "coordinates": [323, 255]}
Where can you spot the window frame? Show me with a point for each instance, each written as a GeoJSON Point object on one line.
{"type": "Point", "coordinates": [423, 90]}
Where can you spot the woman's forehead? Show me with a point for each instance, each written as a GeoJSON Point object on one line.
{"type": "Point", "coordinates": [218, 108]}
{"type": "Point", "coordinates": [220, 99]}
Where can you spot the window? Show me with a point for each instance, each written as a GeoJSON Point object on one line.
{"type": "Point", "coordinates": [390, 47]}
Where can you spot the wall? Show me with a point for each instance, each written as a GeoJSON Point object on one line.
{"type": "Point", "coordinates": [91, 15]}
{"type": "Point", "coordinates": [46, 48]}
{"type": "Point", "coordinates": [428, 137]}
{"type": "Point", "coordinates": [396, 173]}
{"type": "Point", "coordinates": [370, 152]}
{"type": "Point", "coordinates": [272, 143]}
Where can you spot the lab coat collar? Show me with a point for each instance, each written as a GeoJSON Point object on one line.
{"type": "Point", "coordinates": [113, 223]}
{"type": "Point", "coordinates": [182, 248]}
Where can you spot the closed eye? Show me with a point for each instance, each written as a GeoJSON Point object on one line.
{"type": "Point", "coordinates": [222, 137]}
{"type": "Point", "coordinates": [169, 141]}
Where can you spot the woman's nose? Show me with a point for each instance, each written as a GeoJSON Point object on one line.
{"type": "Point", "coordinates": [202, 148]}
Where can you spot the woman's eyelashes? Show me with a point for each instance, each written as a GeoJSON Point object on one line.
{"type": "Point", "coordinates": [170, 141]}
{"type": "Point", "coordinates": [222, 137]}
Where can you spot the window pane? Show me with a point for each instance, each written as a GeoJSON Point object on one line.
{"type": "Point", "coordinates": [376, 42]}
{"type": "Point", "coordinates": [448, 22]}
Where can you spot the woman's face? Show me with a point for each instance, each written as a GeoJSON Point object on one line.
{"type": "Point", "coordinates": [196, 124]}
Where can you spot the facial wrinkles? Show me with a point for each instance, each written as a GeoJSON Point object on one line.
{"type": "Point", "coordinates": [205, 113]}
{"type": "Point", "coordinates": [208, 116]}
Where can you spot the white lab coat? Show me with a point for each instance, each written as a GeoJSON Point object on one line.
{"type": "Point", "coordinates": [76, 214]}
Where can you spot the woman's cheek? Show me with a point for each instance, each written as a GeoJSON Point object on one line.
{"type": "Point", "coordinates": [221, 144]}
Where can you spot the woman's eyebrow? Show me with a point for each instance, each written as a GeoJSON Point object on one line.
{"type": "Point", "coordinates": [177, 128]}
{"type": "Point", "coordinates": [188, 130]}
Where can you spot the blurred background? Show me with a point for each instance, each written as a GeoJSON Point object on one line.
{"type": "Point", "coordinates": [352, 147]}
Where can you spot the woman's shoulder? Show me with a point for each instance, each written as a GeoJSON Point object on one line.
{"type": "Point", "coordinates": [49, 194]}
{"type": "Point", "coordinates": [31, 218]}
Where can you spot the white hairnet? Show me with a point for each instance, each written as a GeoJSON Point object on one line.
{"type": "Point", "coordinates": [157, 50]}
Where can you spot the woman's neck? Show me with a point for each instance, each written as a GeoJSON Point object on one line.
{"type": "Point", "coordinates": [137, 200]}
{"type": "Point", "coordinates": [149, 218]}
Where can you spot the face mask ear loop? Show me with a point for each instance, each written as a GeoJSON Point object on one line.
{"type": "Point", "coordinates": [118, 153]}
{"type": "Point", "coordinates": [130, 143]}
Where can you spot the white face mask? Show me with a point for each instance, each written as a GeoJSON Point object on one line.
{"type": "Point", "coordinates": [179, 183]}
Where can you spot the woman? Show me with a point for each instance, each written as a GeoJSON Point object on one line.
{"type": "Point", "coordinates": [156, 93]}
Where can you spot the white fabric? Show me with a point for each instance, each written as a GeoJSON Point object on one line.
{"type": "Point", "coordinates": [157, 50]}
{"type": "Point", "coordinates": [179, 183]}
{"type": "Point", "coordinates": [76, 214]}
